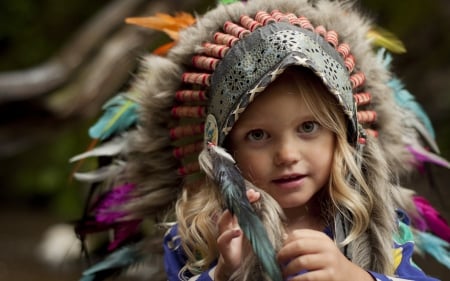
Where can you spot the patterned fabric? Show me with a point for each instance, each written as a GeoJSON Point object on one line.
{"type": "Point", "coordinates": [405, 268]}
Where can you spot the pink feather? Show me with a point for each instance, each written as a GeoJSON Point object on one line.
{"type": "Point", "coordinates": [106, 209]}
{"type": "Point", "coordinates": [109, 215]}
{"type": "Point", "coordinates": [421, 156]}
{"type": "Point", "coordinates": [430, 219]}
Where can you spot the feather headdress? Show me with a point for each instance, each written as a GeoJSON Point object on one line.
{"type": "Point", "coordinates": [188, 98]}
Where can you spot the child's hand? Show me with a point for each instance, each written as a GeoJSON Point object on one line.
{"type": "Point", "coordinates": [313, 251]}
{"type": "Point", "coordinates": [229, 242]}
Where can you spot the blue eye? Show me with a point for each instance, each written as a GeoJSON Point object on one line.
{"type": "Point", "coordinates": [257, 135]}
{"type": "Point", "coordinates": [309, 127]}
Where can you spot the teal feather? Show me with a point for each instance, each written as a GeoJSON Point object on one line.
{"type": "Point", "coordinates": [403, 97]}
{"type": "Point", "coordinates": [116, 262]}
{"type": "Point", "coordinates": [120, 113]}
{"type": "Point", "coordinates": [434, 246]}
{"type": "Point", "coordinates": [405, 100]}
{"type": "Point", "coordinates": [233, 190]}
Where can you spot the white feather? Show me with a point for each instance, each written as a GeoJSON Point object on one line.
{"type": "Point", "coordinates": [111, 148]}
{"type": "Point", "coordinates": [101, 174]}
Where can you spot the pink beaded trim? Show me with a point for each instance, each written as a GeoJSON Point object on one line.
{"type": "Point", "coordinates": [192, 148]}
{"type": "Point", "coordinates": [366, 116]}
{"type": "Point", "coordinates": [197, 78]}
{"type": "Point", "coordinates": [188, 111]}
{"type": "Point", "coordinates": [214, 50]}
{"type": "Point", "coordinates": [190, 95]}
{"type": "Point", "coordinates": [186, 131]}
{"type": "Point", "coordinates": [204, 62]}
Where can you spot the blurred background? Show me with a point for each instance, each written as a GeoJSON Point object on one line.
{"type": "Point", "coordinates": [61, 60]}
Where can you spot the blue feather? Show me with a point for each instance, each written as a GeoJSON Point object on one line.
{"type": "Point", "coordinates": [434, 246]}
{"type": "Point", "coordinates": [115, 262]}
{"type": "Point", "coordinates": [120, 113]}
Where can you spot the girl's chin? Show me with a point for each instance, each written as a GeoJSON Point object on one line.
{"type": "Point", "coordinates": [290, 204]}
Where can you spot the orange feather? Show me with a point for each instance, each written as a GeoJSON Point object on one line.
{"type": "Point", "coordinates": [164, 49]}
{"type": "Point", "coordinates": [171, 25]}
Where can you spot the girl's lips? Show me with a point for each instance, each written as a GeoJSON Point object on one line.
{"type": "Point", "coordinates": [289, 181]}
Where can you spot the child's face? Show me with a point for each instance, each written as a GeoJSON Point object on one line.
{"type": "Point", "coordinates": [280, 147]}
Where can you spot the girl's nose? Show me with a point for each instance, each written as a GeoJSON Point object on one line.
{"type": "Point", "coordinates": [287, 152]}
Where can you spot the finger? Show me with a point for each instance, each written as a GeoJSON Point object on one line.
{"type": "Point", "coordinates": [226, 221]}
{"type": "Point", "coordinates": [253, 195]}
{"type": "Point", "coordinates": [223, 241]}
{"type": "Point", "coordinates": [317, 275]}
{"type": "Point", "coordinates": [302, 246]}
{"type": "Point", "coordinates": [305, 233]}
{"type": "Point", "coordinates": [304, 263]}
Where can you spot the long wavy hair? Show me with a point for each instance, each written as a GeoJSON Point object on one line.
{"type": "Point", "coordinates": [358, 187]}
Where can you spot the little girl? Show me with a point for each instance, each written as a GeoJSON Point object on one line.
{"type": "Point", "coordinates": [286, 105]}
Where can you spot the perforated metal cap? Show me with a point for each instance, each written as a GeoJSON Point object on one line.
{"type": "Point", "coordinates": [258, 59]}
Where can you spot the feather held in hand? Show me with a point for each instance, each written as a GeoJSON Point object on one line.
{"type": "Point", "coordinates": [220, 166]}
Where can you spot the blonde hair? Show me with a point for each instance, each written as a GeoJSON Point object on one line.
{"type": "Point", "coordinates": [353, 195]}
{"type": "Point", "coordinates": [359, 185]}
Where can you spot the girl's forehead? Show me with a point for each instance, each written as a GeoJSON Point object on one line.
{"type": "Point", "coordinates": [273, 103]}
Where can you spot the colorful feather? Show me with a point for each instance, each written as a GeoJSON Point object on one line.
{"type": "Point", "coordinates": [421, 156]}
{"type": "Point", "coordinates": [405, 100]}
{"type": "Point", "coordinates": [100, 174]}
{"type": "Point", "coordinates": [382, 38]}
{"type": "Point", "coordinates": [116, 262]}
{"type": "Point", "coordinates": [108, 215]}
{"type": "Point", "coordinates": [163, 49]}
{"type": "Point", "coordinates": [106, 208]}
{"type": "Point", "coordinates": [120, 113]}
{"type": "Point", "coordinates": [171, 25]}
{"type": "Point", "coordinates": [110, 148]}
{"type": "Point", "coordinates": [104, 214]}
{"type": "Point", "coordinates": [430, 219]}
{"type": "Point", "coordinates": [434, 246]}
{"type": "Point", "coordinates": [233, 190]}
{"type": "Point", "coordinates": [226, 2]}
{"type": "Point", "coordinates": [421, 136]}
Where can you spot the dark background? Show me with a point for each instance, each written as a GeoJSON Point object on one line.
{"type": "Point", "coordinates": [40, 132]}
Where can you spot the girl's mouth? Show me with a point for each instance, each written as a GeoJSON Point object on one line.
{"type": "Point", "coordinates": [290, 181]}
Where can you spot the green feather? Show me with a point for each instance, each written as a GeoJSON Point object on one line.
{"type": "Point", "coordinates": [386, 39]}
{"type": "Point", "coordinates": [226, 2]}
